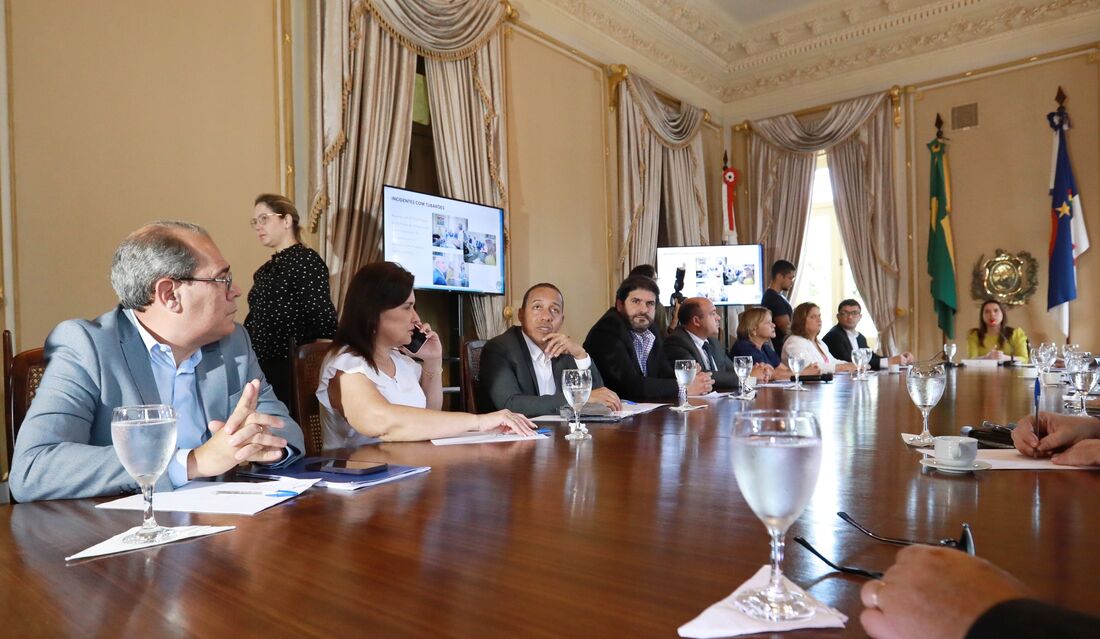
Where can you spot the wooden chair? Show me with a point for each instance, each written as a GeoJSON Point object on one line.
{"type": "Point", "coordinates": [22, 375]}
{"type": "Point", "coordinates": [305, 374]}
{"type": "Point", "coordinates": [470, 361]}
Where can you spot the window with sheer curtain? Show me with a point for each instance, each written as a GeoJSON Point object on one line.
{"type": "Point", "coordinates": [824, 273]}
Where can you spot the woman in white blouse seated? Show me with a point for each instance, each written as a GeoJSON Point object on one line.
{"type": "Point", "coordinates": [805, 340]}
{"type": "Point", "coordinates": [371, 389]}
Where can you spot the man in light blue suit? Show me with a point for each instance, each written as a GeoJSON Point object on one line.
{"type": "Point", "coordinates": [172, 340]}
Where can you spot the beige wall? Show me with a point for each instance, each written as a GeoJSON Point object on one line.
{"type": "Point", "coordinates": [1000, 173]}
{"type": "Point", "coordinates": [558, 175]}
{"type": "Point", "coordinates": [128, 111]}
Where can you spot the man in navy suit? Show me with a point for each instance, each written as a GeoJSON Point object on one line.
{"type": "Point", "coordinates": [172, 340]}
{"type": "Point", "coordinates": [521, 368]}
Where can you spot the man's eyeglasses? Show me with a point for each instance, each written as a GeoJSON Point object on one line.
{"type": "Point", "coordinates": [965, 543]}
{"type": "Point", "coordinates": [227, 280]}
{"type": "Point", "coordinates": [261, 219]}
{"type": "Point", "coordinates": [851, 313]}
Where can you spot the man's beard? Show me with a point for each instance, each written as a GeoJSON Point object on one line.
{"type": "Point", "coordinates": [636, 322]}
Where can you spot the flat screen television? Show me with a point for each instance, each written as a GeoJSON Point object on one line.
{"type": "Point", "coordinates": [448, 245]}
{"type": "Point", "coordinates": [728, 274]}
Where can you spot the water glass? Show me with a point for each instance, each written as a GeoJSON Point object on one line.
{"type": "Point", "coordinates": [576, 384]}
{"type": "Point", "coordinates": [1079, 367]}
{"type": "Point", "coordinates": [685, 374]}
{"type": "Point", "coordinates": [797, 363]}
{"type": "Point", "coordinates": [742, 366]}
{"type": "Point", "coordinates": [925, 383]}
{"type": "Point", "coordinates": [861, 357]}
{"type": "Point", "coordinates": [776, 457]}
{"type": "Point", "coordinates": [949, 350]}
{"type": "Point", "coordinates": [144, 439]}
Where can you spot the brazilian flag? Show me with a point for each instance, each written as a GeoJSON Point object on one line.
{"type": "Point", "coordinates": [941, 251]}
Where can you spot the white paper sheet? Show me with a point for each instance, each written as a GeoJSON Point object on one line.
{"type": "Point", "coordinates": [723, 619]}
{"type": "Point", "coordinates": [115, 545]}
{"type": "Point", "coordinates": [486, 438]}
{"type": "Point", "coordinates": [631, 408]}
{"type": "Point", "coordinates": [1012, 459]}
{"type": "Point", "coordinates": [219, 498]}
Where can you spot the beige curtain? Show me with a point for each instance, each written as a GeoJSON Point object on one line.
{"type": "Point", "coordinates": [366, 127]}
{"type": "Point", "coordinates": [861, 170]}
{"type": "Point", "coordinates": [658, 145]}
{"type": "Point", "coordinates": [858, 137]}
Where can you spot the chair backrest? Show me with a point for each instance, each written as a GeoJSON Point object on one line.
{"type": "Point", "coordinates": [470, 359]}
{"type": "Point", "coordinates": [22, 375]}
{"type": "Point", "coordinates": [305, 375]}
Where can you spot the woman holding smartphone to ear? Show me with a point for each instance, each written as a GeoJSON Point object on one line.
{"type": "Point", "coordinates": [372, 389]}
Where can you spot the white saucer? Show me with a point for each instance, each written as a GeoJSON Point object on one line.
{"type": "Point", "coordinates": [910, 438]}
{"type": "Point", "coordinates": [929, 461]}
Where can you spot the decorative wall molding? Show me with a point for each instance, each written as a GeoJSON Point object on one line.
{"type": "Point", "coordinates": [698, 41]}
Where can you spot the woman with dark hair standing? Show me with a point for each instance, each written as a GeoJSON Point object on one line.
{"type": "Point", "coordinates": [290, 295]}
{"type": "Point", "coordinates": [372, 389]}
{"type": "Point", "coordinates": [994, 338]}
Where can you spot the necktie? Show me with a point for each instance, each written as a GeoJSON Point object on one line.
{"type": "Point", "coordinates": [709, 361]}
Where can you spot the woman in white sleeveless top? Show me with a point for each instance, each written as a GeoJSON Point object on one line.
{"type": "Point", "coordinates": [371, 389]}
{"type": "Point", "coordinates": [805, 340]}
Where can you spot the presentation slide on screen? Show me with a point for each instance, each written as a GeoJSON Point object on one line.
{"type": "Point", "coordinates": [722, 274]}
{"type": "Point", "coordinates": [446, 244]}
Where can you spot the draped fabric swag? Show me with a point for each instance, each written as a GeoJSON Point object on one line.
{"type": "Point", "coordinates": [367, 55]}
{"type": "Point", "coordinates": [860, 146]}
{"type": "Point", "coordinates": [658, 146]}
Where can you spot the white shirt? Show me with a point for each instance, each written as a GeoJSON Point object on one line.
{"type": "Point", "coordinates": [403, 388]}
{"type": "Point", "coordinates": [853, 337]}
{"type": "Point", "coordinates": [544, 368]}
{"type": "Point", "coordinates": [699, 341]}
{"type": "Point", "coordinates": [818, 354]}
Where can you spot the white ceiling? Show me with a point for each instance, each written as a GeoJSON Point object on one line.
{"type": "Point", "coordinates": [736, 49]}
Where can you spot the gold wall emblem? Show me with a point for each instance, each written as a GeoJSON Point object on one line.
{"type": "Point", "coordinates": [1007, 278]}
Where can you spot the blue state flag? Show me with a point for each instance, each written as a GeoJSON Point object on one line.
{"type": "Point", "coordinates": [1068, 236]}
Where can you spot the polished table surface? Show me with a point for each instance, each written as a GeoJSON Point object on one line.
{"type": "Point", "coordinates": [630, 534]}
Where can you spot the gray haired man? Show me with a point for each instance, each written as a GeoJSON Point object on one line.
{"type": "Point", "coordinates": [172, 340]}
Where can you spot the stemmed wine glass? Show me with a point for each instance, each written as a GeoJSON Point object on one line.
{"type": "Point", "coordinates": [144, 439]}
{"type": "Point", "coordinates": [949, 350]}
{"type": "Point", "coordinates": [742, 366]}
{"type": "Point", "coordinates": [861, 357]}
{"type": "Point", "coordinates": [925, 383]}
{"type": "Point", "coordinates": [1067, 353]}
{"type": "Point", "coordinates": [1082, 375]}
{"type": "Point", "coordinates": [685, 373]}
{"type": "Point", "coordinates": [576, 384]}
{"type": "Point", "coordinates": [797, 363]}
{"type": "Point", "coordinates": [776, 458]}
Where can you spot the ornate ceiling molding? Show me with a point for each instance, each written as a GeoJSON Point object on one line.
{"type": "Point", "coordinates": [697, 41]}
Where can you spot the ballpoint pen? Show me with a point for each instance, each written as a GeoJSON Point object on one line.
{"type": "Point", "coordinates": [277, 493]}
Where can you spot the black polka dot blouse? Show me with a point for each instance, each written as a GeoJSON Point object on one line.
{"type": "Point", "coordinates": [289, 297]}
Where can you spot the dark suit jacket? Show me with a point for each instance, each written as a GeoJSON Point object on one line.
{"type": "Point", "coordinates": [507, 378]}
{"type": "Point", "coordinates": [841, 347]}
{"type": "Point", "coordinates": [612, 349]}
{"type": "Point", "coordinates": [679, 345]}
{"type": "Point", "coordinates": [1028, 618]}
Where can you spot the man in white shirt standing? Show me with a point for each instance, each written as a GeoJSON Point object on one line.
{"type": "Point", "coordinates": [521, 368]}
{"type": "Point", "coordinates": [843, 338]}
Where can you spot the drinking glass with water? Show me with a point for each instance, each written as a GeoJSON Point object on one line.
{"type": "Point", "coordinates": [776, 456]}
{"type": "Point", "coordinates": [797, 363]}
{"type": "Point", "coordinates": [742, 366]}
{"type": "Point", "coordinates": [685, 374]}
{"type": "Point", "coordinates": [925, 383]}
{"type": "Point", "coordinates": [144, 439]}
{"type": "Point", "coordinates": [861, 357]}
{"type": "Point", "coordinates": [576, 384]}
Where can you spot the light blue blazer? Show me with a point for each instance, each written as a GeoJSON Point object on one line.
{"type": "Point", "coordinates": [64, 449]}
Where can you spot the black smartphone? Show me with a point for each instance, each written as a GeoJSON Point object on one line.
{"type": "Point", "coordinates": [418, 340]}
{"type": "Point", "coordinates": [347, 467]}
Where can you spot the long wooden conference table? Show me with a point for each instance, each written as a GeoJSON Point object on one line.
{"type": "Point", "coordinates": [630, 534]}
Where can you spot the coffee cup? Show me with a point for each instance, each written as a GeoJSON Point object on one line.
{"type": "Point", "coordinates": [894, 368]}
{"type": "Point", "coordinates": [956, 451]}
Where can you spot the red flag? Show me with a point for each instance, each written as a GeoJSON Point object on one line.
{"type": "Point", "coordinates": [729, 183]}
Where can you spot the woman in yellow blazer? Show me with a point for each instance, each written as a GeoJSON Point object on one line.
{"type": "Point", "coordinates": [994, 338]}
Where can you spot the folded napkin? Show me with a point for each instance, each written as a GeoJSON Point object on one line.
{"type": "Point", "coordinates": [723, 619]}
{"type": "Point", "coordinates": [115, 545]}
